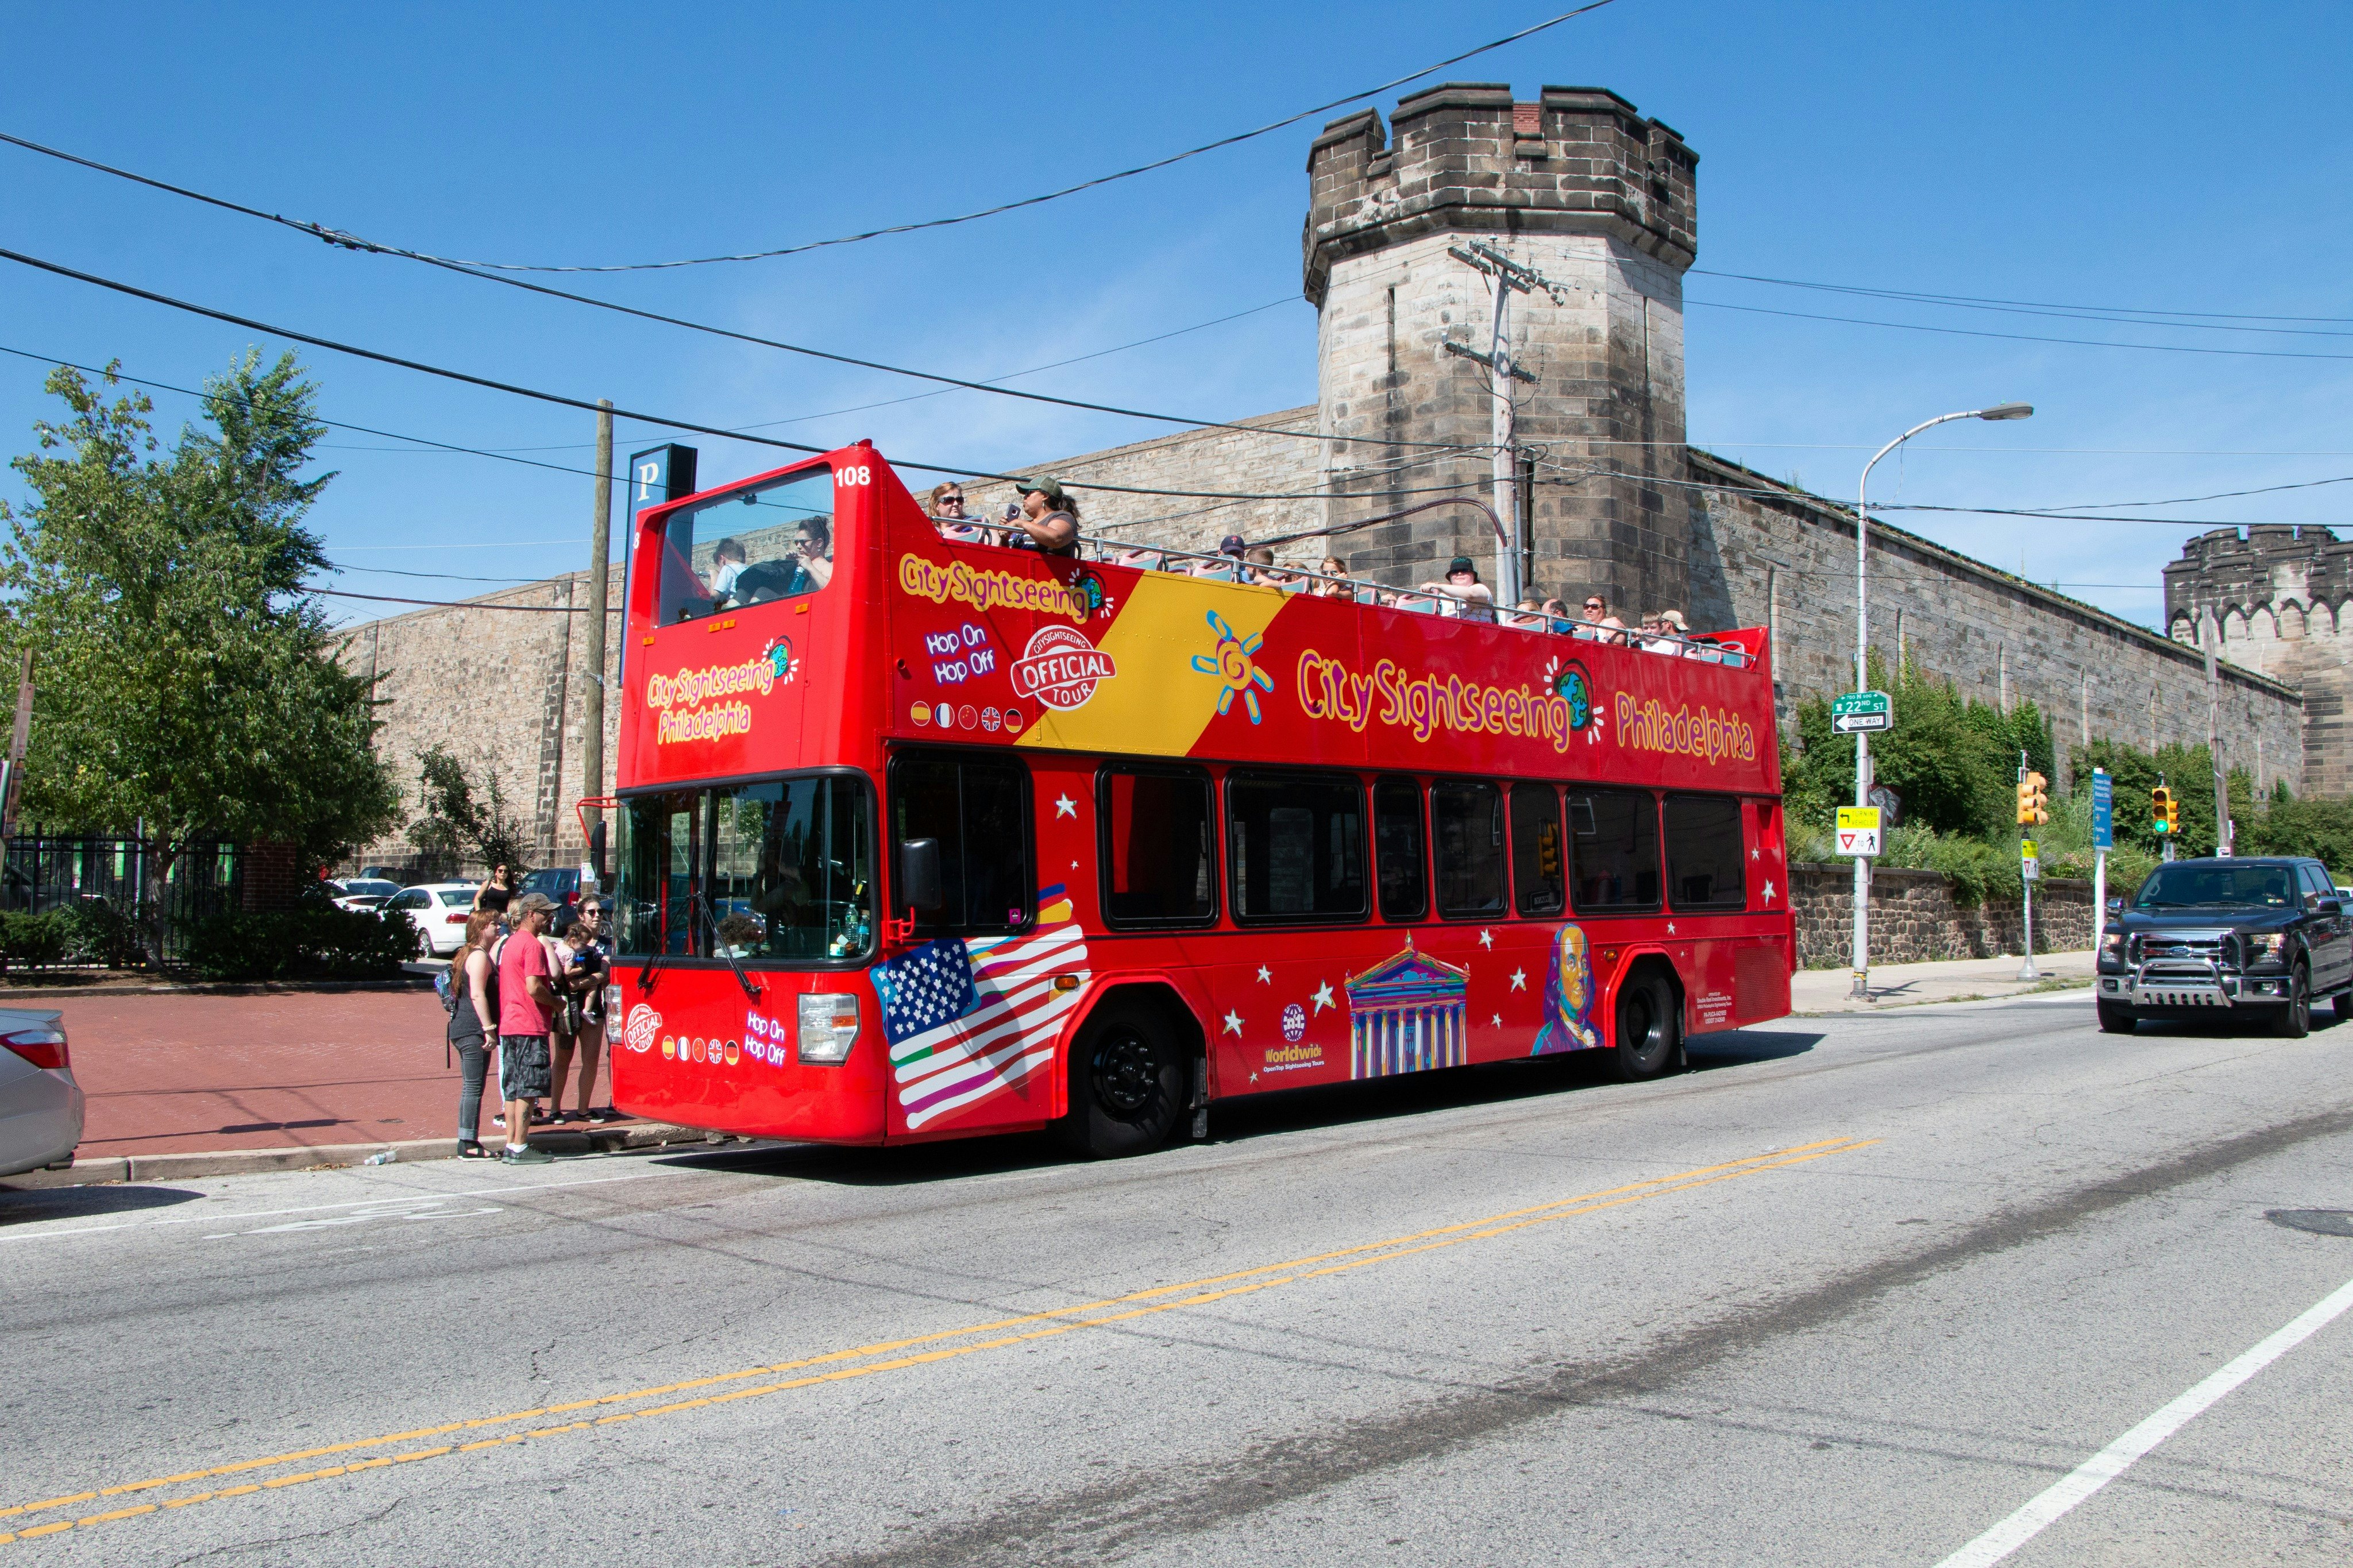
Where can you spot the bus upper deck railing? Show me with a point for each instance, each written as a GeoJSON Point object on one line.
{"type": "Point", "coordinates": [1223, 568]}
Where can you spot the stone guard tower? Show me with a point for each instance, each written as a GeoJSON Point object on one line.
{"type": "Point", "coordinates": [2276, 601]}
{"type": "Point", "coordinates": [1583, 189]}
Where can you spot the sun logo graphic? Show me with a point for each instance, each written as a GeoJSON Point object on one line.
{"type": "Point", "coordinates": [1231, 664]}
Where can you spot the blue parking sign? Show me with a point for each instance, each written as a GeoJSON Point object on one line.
{"type": "Point", "coordinates": [2104, 810]}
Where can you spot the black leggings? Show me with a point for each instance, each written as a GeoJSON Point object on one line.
{"type": "Point", "coordinates": [474, 1062]}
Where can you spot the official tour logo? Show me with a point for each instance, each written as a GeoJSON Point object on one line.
{"type": "Point", "coordinates": [1061, 668]}
{"type": "Point", "coordinates": [642, 1030]}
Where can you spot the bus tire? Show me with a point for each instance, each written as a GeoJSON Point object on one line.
{"type": "Point", "coordinates": [1648, 1033]}
{"type": "Point", "coordinates": [1127, 1083]}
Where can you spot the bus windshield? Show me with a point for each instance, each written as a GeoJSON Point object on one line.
{"type": "Point", "coordinates": [773, 541]}
{"type": "Point", "coordinates": [775, 871]}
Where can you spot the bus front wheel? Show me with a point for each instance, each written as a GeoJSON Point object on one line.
{"type": "Point", "coordinates": [1649, 1035]}
{"type": "Point", "coordinates": [1127, 1084]}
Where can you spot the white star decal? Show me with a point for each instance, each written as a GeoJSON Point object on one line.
{"type": "Point", "coordinates": [1671, 928]}
{"type": "Point", "coordinates": [1487, 939]}
{"type": "Point", "coordinates": [1233, 1023]}
{"type": "Point", "coordinates": [1754, 854]}
{"type": "Point", "coordinates": [1265, 975]}
{"type": "Point", "coordinates": [1769, 892]}
{"type": "Point", "coordinates": [1323, 996]}
{"type": "Point", "coordinates": [1519, 979]}
{"type": "Point", "coordinates": [1065, 806]}
{"type": "Point", "coordinates": [1253, 1077]}
{"type": "Point", "coordinates": [1497, 1021]}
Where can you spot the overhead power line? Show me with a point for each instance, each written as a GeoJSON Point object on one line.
{"type": "Point", "coordinates": [354, 242]}
{"type": "Point", "coordinates": [663, 421]}
{"type": "Point", "coordinates": [2153, 317]}
{"type": "Point", "coordinates": [2018, 337]}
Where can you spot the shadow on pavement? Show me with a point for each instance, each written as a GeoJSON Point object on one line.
{"type": "Point", "coordinates": [1734, 1048]}
{"type": "Point", "coordinates": [1241, 1121]}
{"type": "Point", "coordinates": [21, 1207]}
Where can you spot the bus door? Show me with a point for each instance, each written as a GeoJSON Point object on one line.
{"type": "Point", "coordinates": [972, 1009]}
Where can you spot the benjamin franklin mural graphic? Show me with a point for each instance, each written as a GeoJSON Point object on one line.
{"type": "Point", "coordinates": [1568, 996]}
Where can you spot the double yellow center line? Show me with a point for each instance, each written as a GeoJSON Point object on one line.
{"type": "Point", "coordinates": [890, 1355]}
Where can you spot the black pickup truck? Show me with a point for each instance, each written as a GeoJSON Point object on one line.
{"type": "Point", "coordinates": [2236, 938]}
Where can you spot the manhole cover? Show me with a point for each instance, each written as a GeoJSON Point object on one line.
{"type": "Point", "coordinates": [2320, 1222]}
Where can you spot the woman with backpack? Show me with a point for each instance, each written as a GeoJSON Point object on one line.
{"type": "Point", "coordinates": [470, 993]}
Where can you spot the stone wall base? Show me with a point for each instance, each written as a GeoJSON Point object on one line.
{"type": "Point", "coordinates": [1913, 917]}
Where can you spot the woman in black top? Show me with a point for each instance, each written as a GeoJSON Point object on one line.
{"type": "Point", "coordinates": [1049, 522]}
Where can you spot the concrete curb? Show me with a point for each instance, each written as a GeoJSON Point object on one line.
{"type": "Point", "coordinates": [247, 1162]}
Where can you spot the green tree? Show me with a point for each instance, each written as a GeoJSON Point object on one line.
{"type": "Point", "coordinates": [184, 680]}
{"type": "Point", "coordinates": [462, 819]}
{"type": "Point", "coordinates": [2186, 771]}
{"type": "Point", "coordinates": [1952, 762]}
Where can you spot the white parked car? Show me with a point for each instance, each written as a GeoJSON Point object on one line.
{"type": "Point", "coordinates": [40, 1104]}
{"type": "Point", "coordinates": [439, 910]}
{"type": "Point", "coordinates": [364, 893]}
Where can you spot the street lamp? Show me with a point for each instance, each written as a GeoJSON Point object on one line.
{"type": "Point", "coordinates": [1861, 992]}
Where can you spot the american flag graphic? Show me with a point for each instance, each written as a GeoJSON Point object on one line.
{"type": "Point", "coordinates": [968, 1019]}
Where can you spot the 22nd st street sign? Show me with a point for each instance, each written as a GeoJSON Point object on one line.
{"type": "Point", "coordinates": [1857, 711]}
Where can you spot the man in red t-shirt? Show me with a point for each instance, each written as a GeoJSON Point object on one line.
{"type": "Point", "coordinates": [526, 1014]}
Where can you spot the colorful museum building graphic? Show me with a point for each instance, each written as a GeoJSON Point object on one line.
{"type": "Point", "coordinates": [1406, 1014]}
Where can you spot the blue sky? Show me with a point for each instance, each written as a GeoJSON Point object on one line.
{"type": "Point", "coordinates": [2167, 158]}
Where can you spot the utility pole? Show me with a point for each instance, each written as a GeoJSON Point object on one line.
{"type": "Point", "coordinates": [2222, 836]}
{"type": "Point", "coordinates": [600, 570]}
{"type": "Point", "coordinates": [1511, 278]}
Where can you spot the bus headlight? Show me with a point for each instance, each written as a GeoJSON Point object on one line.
{"type": "Point", "coordinates": [829, 1027]}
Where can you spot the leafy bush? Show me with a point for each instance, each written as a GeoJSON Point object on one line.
{"type": "Point", "coordinates": [2321, 828]}
{"type": "Point", "coordinates": [1952, 762]}
{"type": "Point", "coordinates": [301, 944]}
{"type": "Point", "coordinates": [28, 938]}
{"type": "Point", "coordinates": [97, 933]}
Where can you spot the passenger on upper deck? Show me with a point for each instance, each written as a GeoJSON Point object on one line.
{"type": "Point", "coordinates": [1462, 593]}
{"type": "Point", "coordinates": [727, 563]}
{"type": "Point", "coordinates": [1600, 625]}
{"type": "Point", "coordinates": [810, 568]}
{"type": "Point", "coordinates": [1561, 620]}
{"type": "Point", "coordinates": [1049, 522]}
{"type": "Point", "coordinates": [946, 506]}
{"type": "Point", "coordinates": [1333, 584]}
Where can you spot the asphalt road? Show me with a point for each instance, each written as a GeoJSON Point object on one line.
{"type": "Point", "coordinates": [1856, 1290]}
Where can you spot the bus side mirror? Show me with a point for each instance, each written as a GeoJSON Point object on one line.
{"type": "Point", "coordinates": [597, 851]}
{"type": "Point", "coordinates": [919, 873]}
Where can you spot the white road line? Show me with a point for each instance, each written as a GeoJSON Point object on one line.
{"type": "Point", "coordinates": [214, 1216]}
{"type": "Point", "coordinates": [2112, 1460]}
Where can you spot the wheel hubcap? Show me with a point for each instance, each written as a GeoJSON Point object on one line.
{"type": "Point", "coordinates": [1126, 1073]}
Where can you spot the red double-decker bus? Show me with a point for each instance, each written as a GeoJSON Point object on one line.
{"type": "Point", "coordinates": [921, 839]}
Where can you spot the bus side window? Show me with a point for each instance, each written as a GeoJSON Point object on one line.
{"type": "Point", "coordinates": [1295, 846]}
{"type": "Point", "coordinates": [1398, 849]}
{"type": "Point", "coordinates": [1706, 865]}
{"type": "Point", "coordinates": [1614, 852]}
{"type": "Point", "coordinates": [1158, 860]}
{"type": "Point", "coordinates": [979, 809]}
{"type": "Point", "coordinates": [1467, 825]}
{"type": "Point", "coordinates": [1538, 874]}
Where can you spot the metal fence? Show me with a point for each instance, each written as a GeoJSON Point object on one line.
{"type": "Point", "coordinates": [45, 871]}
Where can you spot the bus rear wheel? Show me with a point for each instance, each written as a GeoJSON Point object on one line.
{"type": "Point", "coordinates": [1127, 1084]}
{"type": "Point", "coordinates": [1650, 1037]}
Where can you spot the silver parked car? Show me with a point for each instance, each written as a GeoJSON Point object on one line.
{"type": "Point", "coordinates": [40, 1104]}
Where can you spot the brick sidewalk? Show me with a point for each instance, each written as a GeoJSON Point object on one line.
{"type": "Point", "coordinates": [175, 1073]}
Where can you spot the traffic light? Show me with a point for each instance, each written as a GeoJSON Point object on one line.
{"type": "Point", "coordinates": [2033, 800]}
{"type": "Point", "coordinates": [2164, 811]}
